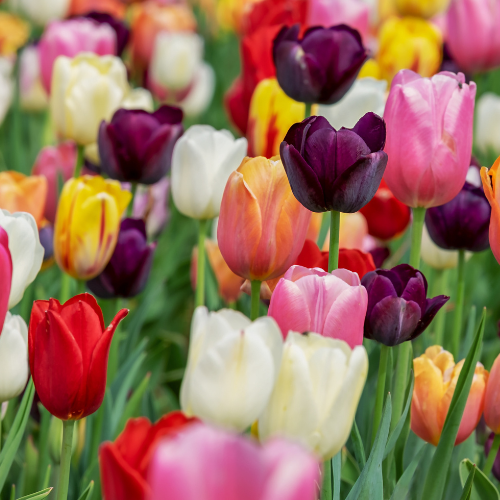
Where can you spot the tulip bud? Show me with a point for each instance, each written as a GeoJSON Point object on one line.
{"type": "Point", "coordinates": [492, 398]}
{"type": "Point", "coordinates": [32, 93]}
{"type": "Point", "coordinates": [490, 180]}
{"type": "Point", "coordinates": [41, 12]}
{"type": "Point", "coordinates": [436, 257]}
{"type": "Point", "coordinates": [6, 270]}
{"type": "Point", "coordinates": [487, 124]}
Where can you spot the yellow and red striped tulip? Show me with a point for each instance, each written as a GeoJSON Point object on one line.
{"type": "Point", "coordinates": [87, 225]}
{"type": "Point", "coordinates": [492, 398]}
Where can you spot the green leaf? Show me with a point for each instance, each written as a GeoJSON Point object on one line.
{"type": "Point", "coordinates": [482, 488]}
{"type": "Point", "coordinates": [359, 449]}
{"type": "Point", "coordinates": [337, 474]}
{"type": "Point", "coordinates": [38, 496]}
{"type": "Point", "coordinates": [403, 487]}
{"type": "Point", "coordinates": [87, 494]}
{"type": "Point", "coordinates": [466, 494]}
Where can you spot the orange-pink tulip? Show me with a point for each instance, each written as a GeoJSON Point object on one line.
{"type": "Point", "coordinates": [492, 398]}
{"type": "Point", "coordinates": [492, 191]}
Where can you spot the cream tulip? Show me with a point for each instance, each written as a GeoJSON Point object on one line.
{"type": "Point", "coordinates": [32, 94]}
{"type": "Point", "coordinates": [316, 394]}
{"type": "Point", "coordinates": [42, 12]}
{"type": "Point", "coordinates": [436, 257]}
{"type": "Point", "coordinates": [488, 123]}
{"type": "Point", "coordinates": [139, 99]}
{"type": "Point", "coordinates": [232, 366]}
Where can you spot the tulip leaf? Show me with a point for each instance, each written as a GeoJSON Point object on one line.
{"type": "Point", "coordinates": [403, 486]}
{"type": "Point", "coordinates": [482, 488]}
{"type": "Point", "coordinates": [370, 484]}
{"type": "Point", "coordinates": [38, 496]}
{"type": "Point", "coordinates": [87, 494]}
{"type": "Point", "coordinates": [436, 478]}
{"type": "Point", "coordinates": [359, 449]}
{"type": "Point", "coordinates": [337, 474]}
{"type": "Point", "coordinates": [467, 491]}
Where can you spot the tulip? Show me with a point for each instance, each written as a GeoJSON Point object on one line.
{"type": "Point", "coordinates": [46, 234]}
{"type": "Point", "coordinates": [310, 70]}
{"type": "Point", "coordinates": [330, 170]}
{"type": "Point", "coordinates": [42, 12]}
{"type": "Point", "coordinates": [15, 33]}
{"type": "Point", "coordinates": [262, 227]}
{"type": "Point", "coordinates": [201, 92]}
{"type": "Point", "coordinates": [87, 225]}
{"type": "Point", "coordinates": [6, 86]}
{"type": "Point", "coordinates": [492, 192]}
{"type": "Point", "coordinates": [151, 205]}
{"type": "Point", "coordinates": [230, 14]}
{"type": "Point", "coordinates": [139, 99]}
{"type": "Point", "coordinates": [436, 376]}
{"type": "Point", "coordinates": [32, 94]}
{"type": "Point", "coordinates": [331, 304]}
{"type": "Point", "coordinates": [6, 273]}
{"type": "Point", "coordinates": [439, 140]}
{"type": "Point", "coordinates": [492, 398]}
{"type": "Point", "coordinates": [421, 8]}
{"type": "Point", "coordinates": [202, 162]}
{"type": "Point", "coordinates": [124, 464]}
{"type": "Point", "coordinates": [436, 257]}
{"type": "Point", "coordinates": [115, 8]}
{"type": "Point", "coordinates": [300, 408]}
{"type": "Point", "coordinates": [13, 357]}
{"type": "Point", "coordinates": [85, 91]}
{"type": "Point", "coordinates": [487, 124]}
{"type": "Point", "coordinates": [119, 27]}
{"type": "Point", "coordinates": [232, 367]}
{"type": "Point", "coordinates": [184, 468]}
{"type": "Point", "coordinates": [68, 352]}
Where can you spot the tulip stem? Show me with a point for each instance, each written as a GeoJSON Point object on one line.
{"type": "Point", "coordinates": [200, 281]}
{"type": "Point", "coordinates": [65, 288]}
{"type": "Point", "coordinates": [333, 256]}
{"type": "Point", "coordinates": [459, 307]}
{"type": "Point", "coordinates": [79, 161]}
{"type": "Point", "coordinates": [326, 486]}
{"type": "Point", "coordinates": [254, 311]}
{"type": "Point", "coordinates": [67, 445]}
{"type": "Point", "coordinates": [416, 236]}
{"type": "Point", "coordinates": [495, 446]}
{"type": "Point", "coordinates": [308, 109]}
{"type": "Point", "coordinates": [130, 209]}
{"type": "Point", "coordinates": [440, 287]}
{"type": "Point", "coordinates": [400, 382]}
{"type": "Point", "coordinates": [380, 396]}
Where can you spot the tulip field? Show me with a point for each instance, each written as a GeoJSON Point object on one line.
{"type": "Point", "coordinates": [249, 249]}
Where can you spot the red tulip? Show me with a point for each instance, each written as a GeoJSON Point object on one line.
{"type": "Point", "coordinates": [68, 352]}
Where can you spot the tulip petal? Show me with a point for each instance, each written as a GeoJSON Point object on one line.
{"type": "Point", "coordinates": [432, 308]}
{"type": "Point", "coordinates": [492, 398]}
{"type": "Point", "coordinates": [371, 128]}
{"type": "Point", "coordinates": [378, 287]}
{"type": "Point", "coordinates": [6, 274]}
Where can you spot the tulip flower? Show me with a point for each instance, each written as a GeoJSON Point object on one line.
{"type": "Point", "coordinates": [299, 409]}
{"type": "Point", "coordinates": [115, 8]}
{"type": "Point", "coordinates": [42, 12]}
{"type": "Point", "coordinates": [85, 91]}
{"type": "Point", "coordinates": [15, 34]}
{"type": "Point", "coordinates": [492, 192]}
{"type": "Point", "coordinates": [68, 353]}
{"type": "Point", "coordinates": [310, 70]}
{"type": "Point", "coordinates": [46, 234]}
{"type": "Point", "coordinates": [6, 86]}
{"type": "Point", "coordinates": [421, 8]}
{"type": "Point", "coordinates": [125, 463]}
{"type": "Point", "coordinates": [487, 125]}
{"type": "Point", "coordinates": [6, 273]}
{"type": "Point", "coordinates": [331, 304]}
{"type": "Point", "coordinates": [139, 98]}
{"type": "Point", "coordinates": [436, 257]}
{"type": "Point", "coordinates": [262, 227]}
{"type": "Point", "coordinates": [184, 468]}
{"type": "Point", "coordinates": [492, 398]}
{"type": "Point", "coordinates": [87, 225]}
{"type": "Point", "coordinates": [202, 162]}
{"type": "Point", "coordinates": [436, 376]}
{"type": "Point", "coordinates": [119, 27]}
{"type": "Point", "coordinates": [201, 92]}
{"type": "Point", "coordinates": [151, 205]}
{"type": "Point", "coordinates": [232, 367]}
{"type": "Point", "coordinates": [438, 142]}
{"type": "Point", "coordinates": [14, 369]}
{"type": "Point", "coordinates": [335, 170]}
{"type": "Point", "coordinates": [33, 96]}
{"type": "Point", "coordinates": [137, 146]}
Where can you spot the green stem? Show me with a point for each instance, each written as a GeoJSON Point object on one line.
{"type": "Point", "coordinates": [254, 314]}
{"type": "Point", "coordinates": [97, 424]}
{"type": "Point", "coordinates": [416, 236]}
{"type": "Point", "coordinates": [113, 362]}
{"type": "Point", "coordinates": [200, 281]}
{"type": "Point", "coordinates": [440, 287]}
{"type": "Point", "coordinates": [323, 231]}
{"type": "Point", "coordinates": [459, 307]}
{"type": "Point", "coordinates": [492, 455]}
{"type": "Point", "coordinates": [130, 209]}
{"type": "Point", "coordinates": [326, 488]}
{"type": "Point", "coordinates": [337, 474]}
{"type": "Point", "coordinates": [400, 382]}
{"type": "Point", "coordinates": [79, 161]}
{"type": "Point", "coordinates": [308, 109]}
{"type": "Point", "coordinates": [333, 257]}
{"type": "Point", "coordinates": [0, 426]}
{"type": "Point", "coordinates": [380, 396]}
{"type": "Point", "coordinates": [67, 444]}
{"type": "Point", "coordinates": [65, 287]}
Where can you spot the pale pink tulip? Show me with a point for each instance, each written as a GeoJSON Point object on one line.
{"type": "Point", "coordinates": [429, 137]}
{"type": "Point", "coordinates": [312, 300]}
{"type": "Point", "coordinates": [203, 463]}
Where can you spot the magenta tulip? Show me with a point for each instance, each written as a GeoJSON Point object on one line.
{"type": "Point", "coordinates": [429, 137]}
{"type": "Point", "coordinates": [5, 275]}
{"type": "Point", "coordinates": [311, 300]}
{"type": "Point", "coordinates": [203, 463]}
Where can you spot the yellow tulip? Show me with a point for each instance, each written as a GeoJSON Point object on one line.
{"type": "Point", "coordinates": [421, 8]}
{"type": "Point", "coordinates": [14, 33]}
{"type": "Point", "coordinates": [230, 13]}
{"type": "Point", "coordinates": [87, 225]}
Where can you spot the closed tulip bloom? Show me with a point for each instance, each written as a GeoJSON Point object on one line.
{"type": "Point", "coordinates": [201, 92]}
{"type": "Point", "coordinates": [46, 234]}
{"type": "Point", "coordinates": [42, 12]}
{"type": "Point", "coordinates": [87, 225]}
{"type": "Point", "coordinates": [113, 7]}
{"type": "Point", "coordinates": [492, 398]}
{"type": "Point", "coordinates": [119, 27]}
{"type": "Point", "coordinates": [398, 309]}
{"type": "Point", "coordinates": [15, 33]}
{"type": "Point", "coordinates": [487, 134]}
{"type": "Point", "coordinates": [436, 257]}
{"type": "Point", "coordinates": [438, 142]}
{"type": "Point", "coordinates": [5, 273]}
{"type": "Point", "coordinates": [202, 162]}
{"type": "Point", "coordinates": [331, 304]}
{"type": "Point", "coordinates": [232, 366]}
{"type": "Point", "coordinates": [151, 205]}
{"type": "Point", "coordinates": [335, 170]}
{"type": "Point", "coordinates": [436, 376]}
{"type": "Point", "coordinates": [490, 180]}
{"type": "Point", "coordinates": [262, 227]}
{"type": "Point", "coordinates": [33, 95]}
{"type": "Point", "coordinates": [300, 409]}
{"type": "Point", "coordinates": [68, 353]}
{"type": "Point", "coordinates": [421, 8]}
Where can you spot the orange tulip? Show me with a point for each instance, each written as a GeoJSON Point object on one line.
{"type": "Point", "coordinates": [492, 398]}
{"type": "Point", "coordinates": [262, 226]}
{"type": "Point", "coordinates": [19, 193]}
{"type": "Point", "coordinates": [436, 376]}
{"type": "Point", "coordinates": [14, 33]}
{"type": "Point", "coordinates": [492, 192]}
{"type": "Point", "coordinates": [114, 7]}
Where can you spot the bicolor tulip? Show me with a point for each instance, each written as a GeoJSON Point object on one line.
{"type": "Point", "coordinates": [490, 180]}
{"type": "Point", "coordinates": [119, 27]}
{"type": "Point", "coordinates": [492, 398]}
{"type": "Point", "coordinates": [300, 409]}
{"type": "Point", "coordinates": [436, 376]}
{"type": "Point", "coordinates": [335, 170]}
{"type": "Point", "coordinates": [68, 354]}
{"type": "Point", "coordinates": [487, 136]}
{"type": "Point", "coordinates": [421, 8]}
{"type": "Point", "coordinates": [330, 304]}
{"type": "Point", "coordinates": [6, 270]}
{"type": "Point", "coordinates": [439, 140]}
{"type": "Point", "coordinates": [32, 94]}
{"type": "Point", "coordinates": [125, 463]}
{"type": "Point", "coordinates": [137, 146]}
{"type": "Point", "coordinates": [262, 227]}
{"type": "Point", "coordinates": [184, 468]}
{"type": "Point", "coordinates": [436, 257]}
{"type": "Point", "coordinates": [87, 225]}
{"type": "Point", "coordinates": [42, 12]}
{"type": "Point", "coordinates": [232, 367]}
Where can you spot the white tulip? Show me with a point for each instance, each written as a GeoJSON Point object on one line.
{"type": "Point", "coordinates": [201, 93]}
{"type": "Point", "coordinates": [42, 12]}
{"type": "Point", "coordinates": [232, 366]}
{"type": "Point", "coordinates": [6, 86]}
{"type": "Point", "coordinates": [32, 93]}
{"type": "Point", "coordinates": [25, 249]}
{"type": "Point", "coordinates": [488, 122]}
{"type": "Point", "coordinates": [436, 257]}
{"type": "Point", "coordinates": [139, 99]}
{"type": "Point", "coordinates": [202, 161]}
{"type": "Point", "coordinates": [14, 369]}
{"type": "Point", "coordinates": [367, 94]}
{"type": "Point", "coordinates": [317, 393]}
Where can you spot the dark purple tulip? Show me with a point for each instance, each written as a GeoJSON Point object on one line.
{"type": "Point", "coordinates": [330, 170]}
{"type": "Point", "coordinates": [322, 66]}
{"type": "Point", "coordinates": [398, 307]}
{"type": "Point", "coordinates": [46, 234]}
{"type": "Point", "coordinates": [136, 146]}
{"type": "Point", "coordinates": [128, 270]}
{"type": "Point", "coordinates": [496, 463]}
{"type": "Point", "coordinates": [119, 27]}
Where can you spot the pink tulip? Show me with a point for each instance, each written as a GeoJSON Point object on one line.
{"type": "Point", "coordinates": [203, 463]}
{"type": "Point", "coordinates": [69, 38]}
{"type": "Point", "coordinates": [5, 275]}
{"type": "Point", "coordinates": [54, 162]}
{"type": "Point", "coordinates": [429, 137]}
{"type": "Point", "coordinates": [311, 300]}
{"type": "Point", "coordinates": [472, 34]}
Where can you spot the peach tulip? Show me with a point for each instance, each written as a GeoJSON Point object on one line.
{"type": "Point", "coordinates": [492, 191]}
{"type": "Point", "coordinates": [492, 398]}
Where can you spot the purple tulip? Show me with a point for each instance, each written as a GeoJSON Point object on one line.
{"type": "Point", "coordinates": [136, 146]}
{"type": "Point", "coordinates": [322, 66]}
{"type": "Point", "coordinates": [46, 234]}
{"type": "Point", "coordinates": [330, 170]}
{"type": "Point", "coordinates": [496, 464]}
{"type": "Point", "coordinates": [398, 308]}
{"type": "Point", "coordinates": [128, 270]}
{"type": "Point", "coordinates": [120, 28]}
